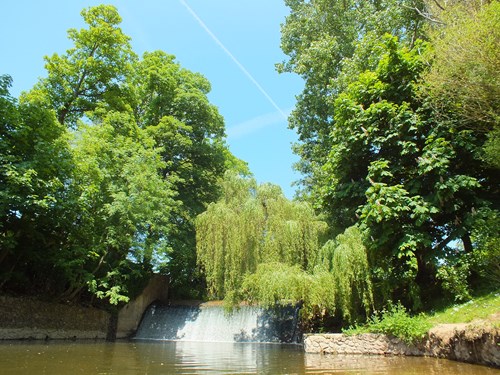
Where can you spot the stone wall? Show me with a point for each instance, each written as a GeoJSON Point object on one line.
{"type": "Point", "coordinates": [130, 315]}
{"type": "Point", "coordinates": [27, 318]}
{"type": "Point", "coordinates": [367, 343]}
{"type": "Point", "coordinates": [473, 343]}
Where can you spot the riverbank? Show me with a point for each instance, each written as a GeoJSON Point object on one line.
{"type": "Point", "coordinates": [476, 342]}
{"type": "Point", "coordinates": [28, 318]}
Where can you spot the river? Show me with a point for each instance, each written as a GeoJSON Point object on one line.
{"type": "Point", "coordinates": [170, 357]}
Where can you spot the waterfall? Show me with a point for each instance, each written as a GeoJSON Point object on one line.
{"type": "Point", "coordinates": [210, 323]}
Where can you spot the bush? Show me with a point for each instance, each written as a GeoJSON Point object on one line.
{"type": "Point", "coordinates": [454, 277]}
{"type": "Point", "coordinates": [396, 322]}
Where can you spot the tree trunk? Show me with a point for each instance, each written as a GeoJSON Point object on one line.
{"type": "Point", "coordinates": [467, 243]}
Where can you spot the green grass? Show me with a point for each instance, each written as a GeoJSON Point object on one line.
{"type": "Point", "coordinates": [397, 322]}
{"type": "Point", "coordinates": [478, 308]}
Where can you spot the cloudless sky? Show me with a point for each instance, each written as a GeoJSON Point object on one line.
{"type": "Point", "coordinates": [234, 44]}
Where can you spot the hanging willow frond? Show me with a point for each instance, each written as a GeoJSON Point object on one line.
{"type": "Point", "coordinates": [251, 225]}
{"type": "Point", "coordinates": [351, 273]}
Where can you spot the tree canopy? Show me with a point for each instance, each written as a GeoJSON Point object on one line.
{"type": "Point", "coordinates": [463, 80]}
{"type": "Point", "coordinates": [388, 136]}
{"type": "Point", "coordinates": [256, 245]}
{"type": "Point", "coordinates": [105, 164]}
{"type": "Point", "coordinates": [115, 166]}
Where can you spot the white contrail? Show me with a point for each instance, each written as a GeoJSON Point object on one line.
{"type": "Point", "coordinates": [254, 124]}
{"type": "Point", "coordinates": [242, 68]}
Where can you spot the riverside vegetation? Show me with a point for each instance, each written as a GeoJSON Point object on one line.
{"type": "Point", "coordinates": [115, 166]}
{"type": "Point", "coordinates": [396, 320]}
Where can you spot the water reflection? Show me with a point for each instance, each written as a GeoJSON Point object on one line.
{"type": "Point", "coordinates": [368, 365]}
{"type": "Point", "coordinates": [155, 358]}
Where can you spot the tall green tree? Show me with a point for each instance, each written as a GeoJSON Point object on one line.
{"type": "Point", "coordinates": [252, 225]}
{"type": "Point", "coordinates": [133, 151]}
{"type": "Point", "coordinates": [171, 104]}
{"type": "Point", "coordinates": [378, 151]}
{"type": "Point", "coordinates": [320, 38]}
{"type": "Point", "coordinates": [256, 245]}
{"type": "Point", "coordinates": [90, 72]}
{"type": "Point", "coordinates": [413, 182]}
{"type": "Point", "coordinates": [121, 208]}
{"type": "Point", "coordinates": [35, 165]}
{"type": "Point", "coordinates": [464, 86]}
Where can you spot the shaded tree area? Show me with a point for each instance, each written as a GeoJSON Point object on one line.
{"type": "Point", "coordinates": [105, 163]}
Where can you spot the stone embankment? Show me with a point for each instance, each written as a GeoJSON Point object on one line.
{"type": "Point", "coordinates": [27, 318]}
{"type": "Point", "coordinates": [31, 319]}
{"type": "Point", "coordinates": [130, 315]}
{"type": "Point", "coordinates": [366, 343]}
{"type": "Point", "coordinates": [477, 342]}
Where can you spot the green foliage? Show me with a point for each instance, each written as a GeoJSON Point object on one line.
{"type": "Point", "coordinates": [171, 104]}
{"type": "Point", "coordinates": [412, 183]}
{"type": "Point", "coordinates": [277, 283]}
{"type": "Point", "coordinates": [465, 60]}
{"type": "Point", "coordinates": [454, 278]}
{"type": "Point", "coordinates": [104, 166]}
{"type": "Point", "coordinates": [402, 145]}
{"type": "Point", "coordinates": [91, 71]}
{"type": "Point", "coordinates": [492, 148]}
{"type": "Point", "coordinates": [351, 273]}
{"type": "Point", "coordinates": [345, 259]}
{"type": "Point", "coordinates": [323, 40]}
{"type": "Point", "coordinates": [251, 225]}
{"type": "Point", "coordinates": [463, 80]}
{"type": "Point", "coordinates": [486, 255]}
{"type": "Point", "coordinates": [35, 163]}
{"type": "Point", "coordinates": [366, 178]}
{"type": "Point", "coordinates": [120, 199]}
{"type": "Point", "coordinates": [255, 245]}
{"type": "Point", "coordinates": [397, 322]}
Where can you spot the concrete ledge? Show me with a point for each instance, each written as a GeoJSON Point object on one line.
{"type": "Point", "coordinates": [130, 315]}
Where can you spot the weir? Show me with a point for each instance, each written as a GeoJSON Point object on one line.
{"type": "Point", "coordinates": [211, 323]}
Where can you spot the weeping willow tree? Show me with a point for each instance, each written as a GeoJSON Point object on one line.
{"type": "Point", "coordinates": [281, 284]}
{"type": "Point", "coordinates": [252, 225]}
{"type": "Point", "coordinates": [339, 283]}
{"type": "Point", "coordinates": [256, 245]}
{"type": "Point", "coordinates": [346, 259]}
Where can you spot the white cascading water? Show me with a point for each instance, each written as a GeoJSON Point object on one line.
{"type": "Point", "coordinates": [210, 323]}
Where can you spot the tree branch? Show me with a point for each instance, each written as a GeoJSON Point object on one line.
{"type": "Point", "coordinates": [427, 16]}
{"type": "Point", "coordinates": [439, 5]}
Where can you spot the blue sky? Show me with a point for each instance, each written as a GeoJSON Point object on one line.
{"type": "Point", "coordinates": [235, 44]}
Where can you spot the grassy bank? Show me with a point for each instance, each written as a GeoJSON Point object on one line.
{"type": "Point", "coordinates": [484, 308]}
{"type": "Point", "coordinates": [397, 322]}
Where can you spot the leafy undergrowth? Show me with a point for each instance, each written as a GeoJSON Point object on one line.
{"type": "Point", "coordinates": [396, 321]}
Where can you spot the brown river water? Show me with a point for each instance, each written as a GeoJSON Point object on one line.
{"type": "Point", "coordinates": [170, 357]}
